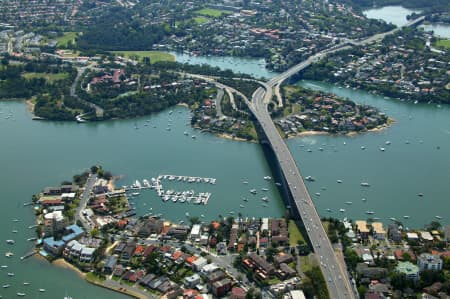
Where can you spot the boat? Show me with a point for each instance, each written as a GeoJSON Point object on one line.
{"type": "Point", "coordinates": [9, 254]}
{"type": "Point", "coordinates": [363, 147]}
{"type": "Point", "coordinates": [15, 231]}
{"type": "Point", "coordinates": [186, 133]}
{"type": "Point", "coordinates": [15, 220]}
{"type": "Point", "coordinates": [407, 142]}
{"type": "Point", "coordinates": [5, 286]}
{"type": "Point", "coordinates": [41, 290]}
{"type": "Point", "coordinates": [365, 184]}
{"type": "Point", "coordinates": [406, 217]}
{"type": "Point", "coordinates": [10, 241]}
{"type": "Point", "coordinates": [245, 199]}
{"type": "Point", "coordinates": [193, 136]}
{"type": "Point", "coordinates": [309, 150]}
{"type": "Point", "coordinates": [339, 181]}
{"type": "Point", "coordinates": [26, 283]}
{"type": "Point", "coordinates": [187, 214]}
{"type": "Point", "coordinates": [393, 219]}
{"type": "Point", "coordinates": [370, 212]}
{"type": "Point", "coordinates": [438, 217]}
{"type": "Point", "coordinates": [310, 178]}
{"type": "Point", "coordinates": [317, 193]}
{"type": "Point", "coordinates": [135, 193]}
{"type": "Point", "coordinates": [265, 198]}
{"type": "Point", "coordinates": [245, 182]}
{"type": "Point", "coordinates": [242, 206]}
{"type": "Point", "coordinates": [363, 199]}
{"type": "Point", "coordinates": [388, 142]}
{"type": "Point", "coordinates": [342, 210]}
{"type": "Point", "coordinates": [420, 194]}
{"type": "Point", "coordinates": [253, 191]}
{"type": "Point", "coordinates": [416, 101]}
{"type": "Point", "coordinates": [3, 266]}
{"type": "Point", "coordinates": [10, 274]}
{"type": "Point", "coordinates": [264, 189]}
{"type": "Point", "coordinates": [203, 216]}
{"type": "Point", "coordinates": [329, 210]}
{"type": "Point", "coordinates": [267, 178]}
{"type": "Point", "coordinates": [231, 212]}
{"type": "Point", "coordinates": [20, 294]}
{"type": "Point", "coordinates": [278, 184]}
{"type": "Point", "coordinates": [348, 202]}
{"type": "Point", "coordinates": [321, 149]}
{"type": "Point", "coordinates": [382, 149]}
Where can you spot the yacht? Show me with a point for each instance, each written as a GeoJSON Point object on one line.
{"type": "Point", "coordinates": [193, 136]}
{"type": "Point", "coordinates": [363, 147]}
{"type": "Point", "coordinates": [363, 199]}
{"type": "Point", "coordinates": [267, 178]}
{"type": "Point", "coordinates": [393, 219]}
{"type": "Point", "coordinates": [9, 254]}
{"type": "Point", "coordinates": [329, 210]}
{"type": "Point", "coordinates": [420, 194]}
{"type": "Point", "coordinates": [339, 181]}
{"type": "Point", "coordinates": [187, 214]}
{"type": "Point", "coordinates": [321, 149]}
{"type": "Point", "coordinates": [10, 242]}
{"type": "Point", "coordinates": [382, 149]}
{"type": "Point", "coordinates": [265, 198]}
{"type": "Point", "coordinates": [406, 217]}
{"type": "Point", "coordinates": [370, 212]}
{"type": "Point", "coordinates": [278, 184]}
{"type": "Point", "coordinates": [438, 217]}
{"type": "Point", "coordinates": [264, 189]}
{"type": "Point", "coordinates": [5, 286]}
{"type": "Point", "coordinates": [20, 294]}
{"type": "Point", "coordinates": [242, 206]}
{"type": "Point", "coordinates": [317, 193]}
{"type": "Point", "coordinates": [41, 290]}
{"type": "Point", "coordinates": [253, 191]}
{"type": "Point", "coordinates": [388, 142]}
{"type": "Point", "coordinates": [245, 182]}
{"type": "Point", "coordinates": [10, 274]}
{"type": "Point", "coordinates": [348, 202]}
{"type": "Point", "coordinates": [342, 210]}
{"type": "Point", "coordinates": [26, 283]}
{"type": "Point", "coordinates": [365, 184]}
{"type": "Point", "coordinates": [186, 133]}
{"type": "Point", "coordinates": [245, 199]}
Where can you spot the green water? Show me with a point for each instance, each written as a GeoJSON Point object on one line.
{"type": "Point", "coordinates": [37, 154]}
{"type": "Point", "coordinates": [396, 175]}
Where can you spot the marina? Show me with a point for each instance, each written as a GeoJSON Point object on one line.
{"type": "Point", "coordinates": [186, 196]}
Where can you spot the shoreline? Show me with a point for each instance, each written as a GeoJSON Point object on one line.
{"type": "Point", "coordinates": [62, 263]}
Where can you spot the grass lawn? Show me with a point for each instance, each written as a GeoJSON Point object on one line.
{"type": "Point", "coordinates": [49, 77]}
{"type": "Point", "coordinates": [307, 262]}
{"type": "Point", "coordinates": [201, 20]}
{"type": "Point", "coordinates": [65, 39]}
{"type": "Point", "coordinates": [215, 13]}
{"type": "Point", "coordinates": [294, 234]}
{"type": "Point", "coordinates": [443, 43]}
{"type": "Point", "coordinates": [155, 56]}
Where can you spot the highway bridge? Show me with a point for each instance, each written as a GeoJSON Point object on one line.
{"type": "Point", "coordinates": [299, 199]}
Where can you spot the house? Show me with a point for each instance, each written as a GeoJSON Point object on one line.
{"type": "Point", "coordinates": [119, 248]}
{"type": "Point", "coordinates": [238, 293]}
{"type": "Point", "coordinates": [294, 294]}
{"type": "Point", "coordinates": [199, 263]}
{"type": "Point", "coordinates": [285, 272]}
{"type": "Point", "coordinates": [361, 229]}
{"type": "Point", "coordinates": [426, 236]}
{"type": "Point", "coordinates": [128, 251]}
{"type": "Point", "coordinates": [111, 262]}
{"type": "Point", "coordinates": [192, 281]}
{"type": "Point", "coordinates": [378, 231]}
{"type": "Point", "coordinates": [151, 226]}
{"type": "Point", "coordinates": [147, 279]}
{"type": "Point", "coordinates": [87, 254]}
{"type": "Point", "coordinates": [216, 276]}
{"type": "Point", "coordinates": [409, 269]}
{"type": "Point", "coordinates": [394, 233]}
{"type": "Point", "coordinates": [428, 261]}
{"type": "Point", "coordinates": [263, 268]}
{"type": "Point", "coordinates": [221, 287]}
{"type": "Point", "coordinates": [283, 258]}
{"type": "Point", "coordinates": [195, 231]}
{"type": "Point", "coordinates": [364, 271]}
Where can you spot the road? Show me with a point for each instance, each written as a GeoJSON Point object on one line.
{"type": "Point", "coordinates": [219, 97]}
{"type": "Point", "coordinates": [83, 202]}
{"type": "Point", "coordinates": [80, 71]}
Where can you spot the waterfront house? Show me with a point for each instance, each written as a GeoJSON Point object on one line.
{"type": "Point", "coordinates": [378, 231]}
{"type": "Point", "coordinates": [127, 252]}
{"type": "Point", "coordinates": [394, 233]}
{"type": "Point", "coordinates": [361, 229]}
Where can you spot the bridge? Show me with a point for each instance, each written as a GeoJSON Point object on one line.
{"type": "Point", "coordinates": [299, 199]}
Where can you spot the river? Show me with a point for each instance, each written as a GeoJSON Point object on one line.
{"type": "Point", "coordinates": [37, 154]}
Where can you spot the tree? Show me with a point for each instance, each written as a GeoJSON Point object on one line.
{"type": "Point", "coordinates": [362, 290]}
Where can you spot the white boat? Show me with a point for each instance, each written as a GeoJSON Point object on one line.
{"type": "Point", "coordinates": [26, 283]}
{"type": "Point", "coordinates": [10, 241]}
{"type": "Point", "coordinates": [267, 178]}
{"type": "Point", "coordinates": [370, 212]}
{"type": "Point", "coordinates": [264, 189]}
{"type": "Point", "coordinates": [253, 191]}
{"type": "Point", "coordinates": [203, 216]}
{"type": "Point", "coordinates": [365, 184]}
{"type": "Point", "coordinates": [41, 290]}
{"type": "Point", "coordinates": [278, 184]}
{"type": "Point", "coordinates": [242, 206]}
{"type": "Point", "coordinates": [3, 266]}
{"type": "Point", "coordinates": [406, 217]}
{"type": "Point", "coordinates": [265, 198]}
{"type": "Point", "coordinates": [186, 133]}
{"type": "Point", "coordinates": [20, 294]}
{"type": "Point", "coordinates": [321, 149]}
{"type": "Point", "coordinates": [363, 147]}
{"type": "Point", "coordinates": [9, 254]}
{"type": "Point", "coordinates": [388, 142]}
{"type": "Point", "coordinates": [193, 136]}
{"type": "Point", "coordinates": [339, 181]}
{"type": "Point", "coordinates": [342, 210]}
{"type": "Point", "coordinates": [310, 178]}
{"type": "Point", "coordinates": [15, 231]}
{"type": "Point", "coordinates": [329, 210]}
{"type": "Point", "coordinates": [135, 193]}
{"type": "Point", "coordinates": [245, 182]}
{"type": "Point", "coordinates": [416, 101]}
{"type": "Point", "coordinates": [317, 193]}
{"type": "Point", "coordinates": [438, 217]}
{"type": "Point", "coordinates": [393, 219]}
{"type": "Point", "coordinates": [10, 274]}
{"type": "Point", "coordinates": [363, 199]}
{"type": "Point", "coordinates": [5, 286]}
{"type": "Point", "coordinates": [348, 202]}
{"type": "Point", "coordinates": [382, 149]}
{"type": "Point", "coordinates": [187, 214]}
